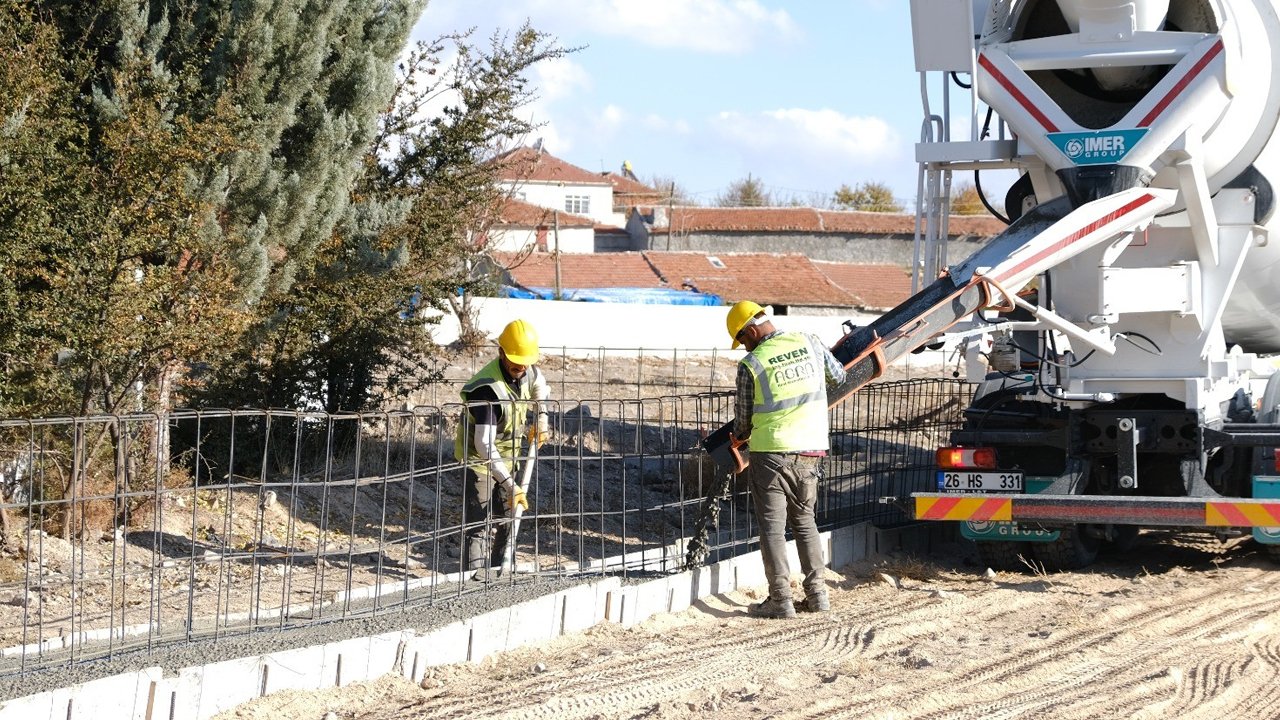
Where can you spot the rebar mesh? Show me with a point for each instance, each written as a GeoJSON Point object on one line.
{"type": "Point", "coordinates": [130, 532]}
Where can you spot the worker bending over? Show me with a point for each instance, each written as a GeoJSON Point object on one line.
{"type": "Point", "coordinates": [499, 398]}
{"type": "Point", "coordinates": [781, 408]}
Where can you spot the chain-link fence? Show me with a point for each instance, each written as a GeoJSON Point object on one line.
{"type": "Point", "coordinates": [129, 532]}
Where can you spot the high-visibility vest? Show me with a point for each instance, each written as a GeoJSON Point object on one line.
{"type": "Point", "coordinates": [514, 401]}
{"type": "Point", "coordinates": [789, 408]}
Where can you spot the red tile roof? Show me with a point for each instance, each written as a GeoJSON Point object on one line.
{"type": "Point", "coordinates": [626, 186]}
{"type": "Point", "coordinates": [518, 213]}
{"type": "Point", "coordinates": [529, 165]}
{"type": "Point", "coordinates": [753, 276]}
{"type": "Point", "coordinates": [877, 286]}
{"type": "Point", "coordinates": [791, 219]}
{"type": "Point", "coordinates": [767, 278]}
{"type": "Point", "coordinates": [581, 270]}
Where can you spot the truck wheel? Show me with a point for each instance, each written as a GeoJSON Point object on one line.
{"type": "Point", "coordinates": [1071, 551]}
{"type": "Point", "coordinates": [1124, 539]}
{"type": "Point", "coordinates": [1273, 552]}
{"type": "Point", "coordinates": [1003, 556]}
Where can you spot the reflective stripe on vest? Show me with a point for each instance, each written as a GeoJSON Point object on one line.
{"type": "Point", "coordinates": [514, 408]}
{"type": "Point", "coordinates": [789, 407]}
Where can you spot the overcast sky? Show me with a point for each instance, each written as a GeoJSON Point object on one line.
{"type": "Point", "coordinates": [802, 95]}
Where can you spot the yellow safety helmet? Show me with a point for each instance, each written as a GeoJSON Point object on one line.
{"type": "Point", "coordinates": [520, 342]}
{"type": "Point", "coordinates": [739, 315]}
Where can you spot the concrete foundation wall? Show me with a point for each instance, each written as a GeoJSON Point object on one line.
{"type": "Point", "coordinates": [200, 692]}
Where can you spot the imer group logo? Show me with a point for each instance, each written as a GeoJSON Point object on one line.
{"type": "Point", "coordinates": [1096, 147]}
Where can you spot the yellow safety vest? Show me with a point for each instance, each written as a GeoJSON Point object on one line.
{"type": "Point", "coordinates": [515, 402]}
{"type": "Point", "coordinates": [789, 409]}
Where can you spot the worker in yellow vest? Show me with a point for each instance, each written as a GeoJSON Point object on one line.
{"type": "Point", "coordinates": [781, 409]}
{"type": "Point", "coordinates": [499, 399]}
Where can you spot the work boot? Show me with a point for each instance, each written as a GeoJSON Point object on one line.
{"type": "Point", "coordinates": [817, 602]}
{"type": "Point", "coordinates": [772, 609]}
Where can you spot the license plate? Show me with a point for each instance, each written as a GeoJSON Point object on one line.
{"type": "Point", "coordinates": [966, 482]}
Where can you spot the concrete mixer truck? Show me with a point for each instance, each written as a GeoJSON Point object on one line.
{"type": "Point", "coordinates": [1120, 335]}
{"type": "Point", "coordinates": [1118, 331]}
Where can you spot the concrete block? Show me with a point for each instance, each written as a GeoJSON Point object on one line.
{"type": "Point", "coordinates": [126, 696]}
{"type": "Point", "coordinates": [442, 646]}
{"type": "Point", "coordinates": [293, 670]}
{"type": "Point", "coordinates": [220, 686]}
{"type": "Point", "coordinates": [679, 592]}
{"type": "Point", "coordinates": [750, 572]}
{"type": "Point", "coordinates": [359, 659]}
{"type": "Point", "coordinates": [646, 600]}
{"type": "Point", "coordinates": [534, 621]}
{"type": "Point", "coordinates": [489, 634]}
{"type": "Point", "coordinates": [579, 609]}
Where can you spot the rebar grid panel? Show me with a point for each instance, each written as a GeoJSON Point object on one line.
{"type": "Point", "coordinates": [132, 532]}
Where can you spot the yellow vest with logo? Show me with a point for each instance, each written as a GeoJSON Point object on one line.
{"type": "Point", "coordinates": [789, 410]}
{"type": "Point", "coordinates": [515, 403]}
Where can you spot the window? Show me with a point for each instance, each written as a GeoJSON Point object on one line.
{"type": "Point", "coordinates": [577, 204]}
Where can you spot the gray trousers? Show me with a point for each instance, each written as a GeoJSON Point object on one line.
{"type": "Point", "coordinates": [784, 489]}
{"type": "Point", "coordinates": [486, 525]}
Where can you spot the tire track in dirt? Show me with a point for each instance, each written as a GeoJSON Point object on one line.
{"type": "Point", "coordinates": [628, 681]}
{"type": "Point", "coordinates": [1123, 667]}
{"type": "Point", "coordinates": [1027, 670]}
{"type": "Point", "coordinates": [1254, 693]}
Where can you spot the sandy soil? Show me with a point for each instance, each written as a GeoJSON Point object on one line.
{"type": "Point", "coordinates": [1183, 627]}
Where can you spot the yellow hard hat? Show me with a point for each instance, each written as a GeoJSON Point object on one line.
{"type": "Point", "coordinates": [739, 315]}
{"type": "Point", "coordinates": [520, 342]}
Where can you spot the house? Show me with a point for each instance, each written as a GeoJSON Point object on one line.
{"type": "Point", "coordinates": [542, 179]}
{"type": "Point", "coordinates": [521, 225]}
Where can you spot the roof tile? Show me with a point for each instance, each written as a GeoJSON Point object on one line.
{"type": "Point", "coordinates": [528, 165]}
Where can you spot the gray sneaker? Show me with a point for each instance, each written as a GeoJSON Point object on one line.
{"type": "Point", "coordinates": [818, 602]}
{"type": "Point", "coordinates": [772, 609]}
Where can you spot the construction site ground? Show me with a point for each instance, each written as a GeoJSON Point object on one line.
{"type": "Point", "coordinates": [1184, 626]}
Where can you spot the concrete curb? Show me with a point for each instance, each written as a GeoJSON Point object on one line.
{"type": "Point", "coordinates": [200, 692]}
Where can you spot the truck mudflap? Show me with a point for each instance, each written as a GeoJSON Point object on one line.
{"type": "Point", "coordinates": [1096, 509]}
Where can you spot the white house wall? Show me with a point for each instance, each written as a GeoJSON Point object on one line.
{"type": "Point", "coordinates": [552, 195]}
{"type": "Point", "coordinates": [572, 240]}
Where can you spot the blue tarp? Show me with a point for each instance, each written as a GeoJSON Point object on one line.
{"type": "Point", "coordinates": [643, 296]}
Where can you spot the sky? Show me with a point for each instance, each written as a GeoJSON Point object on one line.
{"type": "Point", "coordinates": [803, 96]}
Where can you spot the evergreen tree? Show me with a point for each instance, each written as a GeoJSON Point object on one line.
{"type": "Point", "coordinates": [353, 332]}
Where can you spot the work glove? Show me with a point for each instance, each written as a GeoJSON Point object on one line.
{"type": "Point", "coordinates": [538, 432]}
{"type": "Point", "coordinates": [516, 499]}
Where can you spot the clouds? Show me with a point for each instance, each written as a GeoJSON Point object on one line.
{"type": "Point", "coordinates": [806, 96]}
{"type": "Point", "coordinates": [799, 131]}
{"type": "Point", "coordinates": [706, 26]}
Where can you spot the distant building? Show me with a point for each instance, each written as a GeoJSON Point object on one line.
{"type": "Point", "coordinates": [833, 235]}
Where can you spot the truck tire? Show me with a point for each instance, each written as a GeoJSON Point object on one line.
{"type": "Point", "coordinates": [1071, 551]}
{"type": "Point", "coordinates": [1273, 552]}
{"type": "Point", "coordinates": [1003, 556]}
{"type": "Point", "coordinates": [1125, 538]}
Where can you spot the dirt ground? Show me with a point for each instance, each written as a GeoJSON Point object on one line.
{"type": "Point", "coordinates": [1182, 627]}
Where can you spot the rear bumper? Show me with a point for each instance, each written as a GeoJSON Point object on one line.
{"type": "Point", "coordinates": [1059, 509]}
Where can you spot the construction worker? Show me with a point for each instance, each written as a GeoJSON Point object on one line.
{"type": "Point", "coordinates": [499, 398]}
{"type": "Point", "coordinates": [781, 408]}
